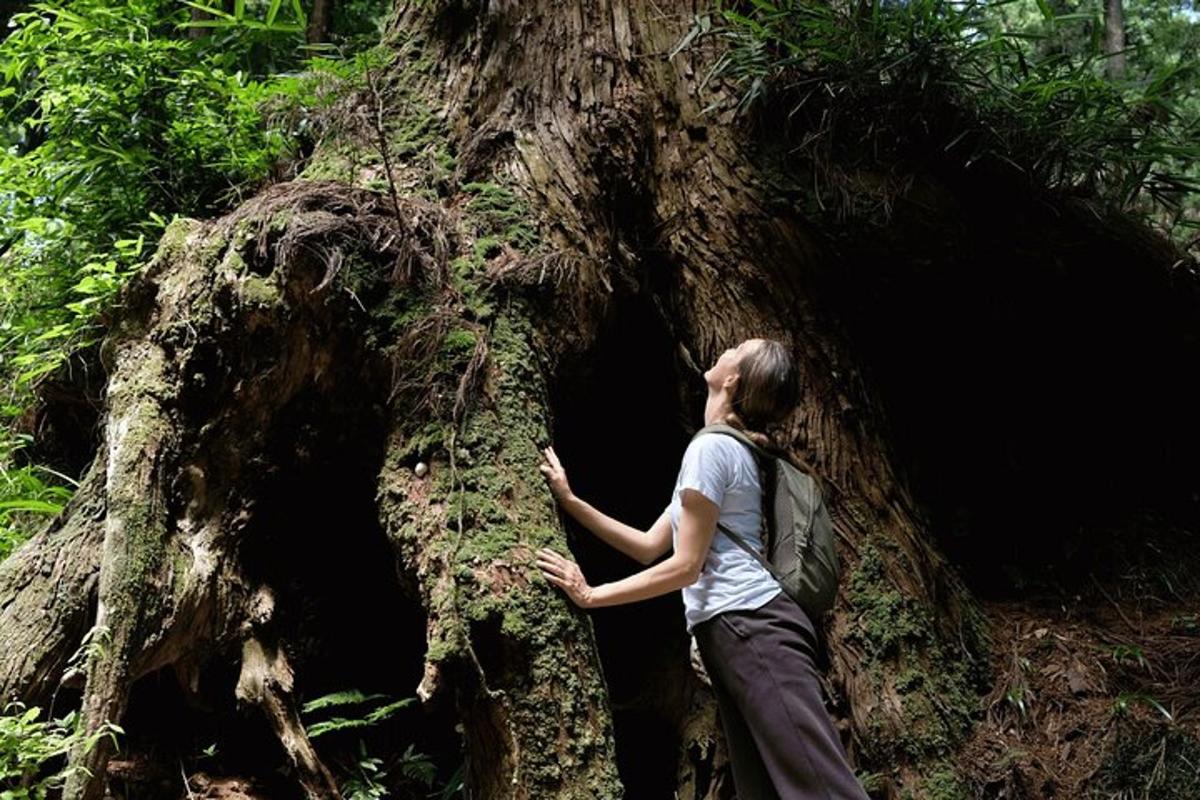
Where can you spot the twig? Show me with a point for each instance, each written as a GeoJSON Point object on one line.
{"type": "Point", "coordinates": [384, 152]}
{"type": "Point", "coordinates": [186, 787]}
{"type": "Point", "coordinates": [1109, 598]}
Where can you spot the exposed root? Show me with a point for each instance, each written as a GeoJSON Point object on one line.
{"type": "Point", "coordinates": [328, 220]}
{"type": "Point", "coordinates": [414, 379]}
{"type": "Point", "coordinates": [266, 681]}
{"type": "Point", "coordinates": [47, 595]}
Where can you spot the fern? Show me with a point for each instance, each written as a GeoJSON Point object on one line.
{"type": "Point", "coordinates": [350, 697]}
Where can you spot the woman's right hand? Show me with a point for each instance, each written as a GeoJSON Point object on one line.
{"type": "Point", "coordinates": [555, 475]}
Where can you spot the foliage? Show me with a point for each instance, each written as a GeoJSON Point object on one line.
{"type": "Point", "coordinates": [368, 777]}
{"type": "Point", "coordinates": [29, 749]}
{"type": "Point", "coordinates": [366, 781]}
{"type": "Point", "coordinates": [114, 121]}
{"type": "Point", "coordinates": [934, 83]}
{"type": "Point", "coordinates": [1124, 703]}
{"type": "Point", "coordinates": [1150, 760]}
{"type": "Point", "coordinates": [238, 18]}
{"type": "Point", "coordinates": [117, 117]}
{"type": "Point", "coordinates": [351, 697]}
{"type": "Point", "coordinates": [26, 497]}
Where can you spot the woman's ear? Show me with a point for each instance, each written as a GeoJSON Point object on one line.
{"type": "Point", "coordinates": [730, 382]}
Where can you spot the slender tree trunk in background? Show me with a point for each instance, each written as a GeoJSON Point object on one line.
{"type": "Point", "coordinates": [551, 168]}
{"type": "Point", "coordinates": [1114, 39]}
{"type": "Point", "coordinates": [318, 21]}
{"type": "Point", "coordinates": [197, 16]}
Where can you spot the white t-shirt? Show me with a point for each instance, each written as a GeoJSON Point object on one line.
{"type": "Point", "coordinates": [722, 469]}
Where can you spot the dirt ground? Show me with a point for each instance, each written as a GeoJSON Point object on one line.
{"type": "Point", "coordinates": [1096, 696]}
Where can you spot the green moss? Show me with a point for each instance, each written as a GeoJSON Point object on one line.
{"type": "Point", "coordinates": [136, 542]}
{"type": "Point", "coordinates": [333, 163]}
{"type": "Point", "coordinates": [909, 680]}
{"type": "Point", "coordinates": [173, 242]}
{"type": "Point", "coordinates": [941, 782]}
{"type": "Point", "coordinates": [481, 517]}
{"type": "Point", "coordinates": [488, 247]}
{"type": "Point", "coordinates": [498, 215]}
{"type": "Point", "coordinates": [507, 513]}
{"type": "Point", "coordinates": [905, 657]}
{"type": "Point", "coordinates": [477, 299]}
{"type": "Point", "coordinates": [445, 161]}
{"type": "Point", "coordinates": [181, 564]}
{"type": "Point", "coordinates": [885, 619]}
{"type": "Point", "coordinates": [256, 290]}
{"type": "Point", "coordinates": [414, 130]}
{"type": "Point", "coordinates": [494, 217]}
{"type": "Point", "coordinates": [459, 342]}
{"type": "Point", "coordinates": [416, 141]}
{"type": "Point", "coordinates": [420, 444]}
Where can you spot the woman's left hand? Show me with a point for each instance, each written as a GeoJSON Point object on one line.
{"type": "Point", "coordinates": [565, 574]}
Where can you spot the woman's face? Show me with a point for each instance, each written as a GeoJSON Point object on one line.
{"type": "Point", "coordinates": [723, 374]}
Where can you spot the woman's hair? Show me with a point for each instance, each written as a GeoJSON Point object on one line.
{"type": "Point", "coordinates": [767, 391]}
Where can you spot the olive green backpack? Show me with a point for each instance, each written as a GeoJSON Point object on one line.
{"type": "Point", "coordinates": [801, 553]}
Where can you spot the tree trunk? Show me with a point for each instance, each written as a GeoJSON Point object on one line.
{"type": "Point", "coordinates": [1114, 39]}
{"type": "Point", "coordinates": [548, 172]}
{"type": "Point", "coordinates": [318, 21]}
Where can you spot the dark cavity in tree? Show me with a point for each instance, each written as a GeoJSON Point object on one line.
{"type": "Point", "coordinates": [1032, 367]}
{"type": "Point", "coordinates": [341, 613]}
{"type": "Point", "coordinates": [620, 430]}
{"type": "Point", "coordinates": [65, 420]}
{"type": "Point", "coordinates": [342, 604]}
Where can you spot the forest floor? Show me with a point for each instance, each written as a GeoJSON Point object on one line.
{"type": "Point", "coordinates": [1096, 695]}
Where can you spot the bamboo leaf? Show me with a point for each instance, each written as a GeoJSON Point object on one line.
{"type": "Point", "coordinates": [211, 10]}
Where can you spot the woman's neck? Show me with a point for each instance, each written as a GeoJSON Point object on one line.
{"type": "Point", "coordinates": [716, 408]}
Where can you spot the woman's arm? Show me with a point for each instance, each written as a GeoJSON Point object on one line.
{"type": "Point", "coordinates": [642, 546]}
{"type": "Point", "coordinates": [697, 526]}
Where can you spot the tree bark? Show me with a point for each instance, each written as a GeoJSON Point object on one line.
{"type": "Point", "coordinates": [1114, 39]}
{"type": "Point", "coordinates": [318, 21]}
{"type": "Point", "coordinates": [47, 595]}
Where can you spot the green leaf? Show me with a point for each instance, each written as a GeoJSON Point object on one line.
{"type": "Point", "coordinates": [219, 13]}
{"type": "Point", "coordinates": [38, 506]}
{"type": "Point", "coordinates": [687, 39]}
{"type": "Point", "coordinates": [335, 699]}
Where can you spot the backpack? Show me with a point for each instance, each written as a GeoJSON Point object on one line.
{"type": "Point", "coordinates": [801, 553]}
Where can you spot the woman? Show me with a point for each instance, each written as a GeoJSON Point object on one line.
{"type": "Point", "coordinates": [758, 646]}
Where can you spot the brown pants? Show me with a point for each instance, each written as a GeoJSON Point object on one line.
{"type": "Point", "coordinates": [782, 743]}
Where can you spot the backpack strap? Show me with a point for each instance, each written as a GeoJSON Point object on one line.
{"type": "Point", "coordinates": [742, 543]}
{"type": "Point", "coordinates": [729, 430]}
